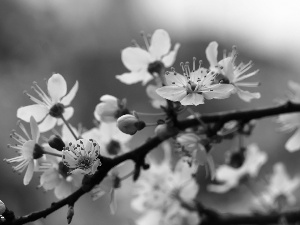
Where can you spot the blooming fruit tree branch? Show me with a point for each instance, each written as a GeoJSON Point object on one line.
{"type": "Point", "coordinates": [74, 162]}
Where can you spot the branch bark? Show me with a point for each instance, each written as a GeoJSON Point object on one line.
{"type": "Point", "coordinates": [139, 153]}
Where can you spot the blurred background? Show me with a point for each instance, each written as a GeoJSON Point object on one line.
{"type": "Point", "coordinates": [82, 40]}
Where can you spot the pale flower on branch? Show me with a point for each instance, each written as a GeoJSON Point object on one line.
{"type": "Point", "coordinates": [82, 156]}
{"type": "Point", "coordinates": [280, 190]}
{"type": "Point", "coordinates": [49, 109]}
{"type": "Point", "coordinates": [160, 187]}
{"type": "Point", "coordinates": [109, 186]}
{"type": "Point", "coordinates": [112, 141]}
{"type": "Point", "coordinates": [194, 86]}
{"type": "Point", "coordinates": [174, 215]}
{"type": "Point", "coordinates": [230, 177]}
{"type": "Point", "coordinates": [232, 73]}
{"type": "Point", "coordinates": [291, 121]}
{"type": "Point", "coordinates": [191, 149]}
{"type": "Point", "coordinates": [156, 100]}
{"type": "Point", "coordinates": [144, 63]}
{"type": "Point", "coordinates": [110, 109]}
{"type": "Point", "coordinates": [56, 175]}
{"type": "Point", "coordinates": [29, 150]}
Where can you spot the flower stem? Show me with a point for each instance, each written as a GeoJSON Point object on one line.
{"type": "Point", "coordinates": [69, 127]}
{"type": "Point", "coordinates": [150, 114]}
{"type": "Point", "coordinates": [127, 175]}
{"type": "Point", "coordinates": [52, 153]}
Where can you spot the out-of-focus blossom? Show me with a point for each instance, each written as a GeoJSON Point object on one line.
{"type": "Point", "coordinates": [49, 110]}
{"type": "Point", "coordinates": [130, 124]}
{"type": "Point", "coordinates": [29, 150]}
{"type": "Point", "coordinates": [230, 177]}
{"type": "Point", "coordinates": [143, 64]}
{"type": "Point", "coordinates": [109, 185]}
{"type": "Point", "coordinates": [160, 187]}
{"type": "Point", "coordinates": [111, 140]}
{"type": "Point", "coordinates": [291, 121]}
{"type": "Point", "coordinates": [2, 207]}
{"type": "Point", "coordinates": [175, 215]}
{"type": "Point", "coordinates": [193, 87]}
{"type": "Point", "coordinates": [230, 72]}
{"type": "Point", "coordinates": [280, 189]}
{"type": "Point", "coordinates": [56, 175]}
{"type": "Point", "coordinates": [156, 100]}
{"type": "Point", "coordinates": [110, 109]}
{"type": "Point", "coordinates": [82, 156]}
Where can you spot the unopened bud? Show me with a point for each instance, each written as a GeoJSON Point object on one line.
{"type": "Point", "coordinates": [165, 131]}
{"type": "Point", "coordinates": [56, 142]}
{"type": "Point", "coordinates": [129, 124]}
{"type": "Point", "coordinates": [2, 207]}
{"type": "Point", "coordinates": [70, 214]}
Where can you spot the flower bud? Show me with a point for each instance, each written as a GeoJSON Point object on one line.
{"type": "Point", "coordinates": [129, 124]}
{"type": "Point", "coordinates": [70, 214]}
{"type": "Point", "coordinates": [2, 207]}
{"type": "Point", "coordinates": [56, 142]}
{"type": "Point", "coordinates": [165, 131]}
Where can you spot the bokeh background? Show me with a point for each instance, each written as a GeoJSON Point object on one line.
{"type": "Point", "coordinates": [82, 40]}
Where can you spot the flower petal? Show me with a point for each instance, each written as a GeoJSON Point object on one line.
{"type": "Point", "coordinates": [192, 99]}
{"type": "Point", "coordinates": [228, 68]}
{"type": "Point", "coordinates": [29, 173]}
{"type": "Point", "coordinates": [293, 144]}
{"type": "Point", "coordinates": [35, 132]}
{"type": "Point", "coordinates": [170, 58]}
{"type": "Point", "coordinates": [177, 79]}
{"type": "Point", "coordinates": [172, 93]}
{"type": "Point", "coordinates": [68, 113]}
{"type": "Point", "coordinates": [160, 44]}
{"type": "Point", "coordinates": [57, 87]}
{"type": "Point", "coordinates": [64, 189]}
{"type": "Point", "coordinates": [134, 77]}
{"type": "Point", "coordinates": [135, 58]}
{"type": "Point", "coordinates": [49, 179]}
{"type": "Point", "coordinates": [47, 124]}
{"type": "Point", "coordinates": [219, 91]}
{"type": "Point", "coordinates": [156, 100]}
{"type": "Point", "coordinates": [246, 95]}
{"type": "Point", "coordinates": [67, 136]}
{"type": "Point", "coordinates": [212, 54]}
{"type": "Point", "coordinates": [70, 96]}
{"type": "Point", "coordinates": [37, 111]}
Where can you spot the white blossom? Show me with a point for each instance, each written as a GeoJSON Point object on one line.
{"type": "Point", "coordinates": [142, 63]}
{"type": "Point", "coordinates": [232, 73]}
{"type": "Point", "coordinates": [280, 186]}
{"type": "Point", "coordinates": [291, 121]}
{"type": "Point", "coordinates": [28, 149]}
{"type": "Point", "coordinates": [82, 156]}
{"type": "Point", "coordinates": [52, 106]}
{"type": "Point", "coordinates": [110, 109]}
{"type": "Point", "coordinates": [193, 87]}
{"type": "Point", "coordinates": [230, 177]}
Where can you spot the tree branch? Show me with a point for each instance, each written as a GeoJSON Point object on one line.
{"type": "Point", "coordinates": [273, 218]}
{"type": "Point", "coordinates": [139, 153]}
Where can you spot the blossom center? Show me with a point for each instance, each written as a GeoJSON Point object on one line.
{"type": "Point", "coordinates": [84, 162]}
{"type": "Point", "coordinates": [236, 159]}
{"type": "Point", "coordinates": [38, 151]}
{"type": "Point", "coordinates": [156, 67]}
{"type": "Point", "coordinates": [57, 110]}
{"type": "Point", "coordinates": [113, 147]}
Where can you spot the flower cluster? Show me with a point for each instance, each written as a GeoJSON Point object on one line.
{"type": "Point", "coordinates": [165, 193]}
